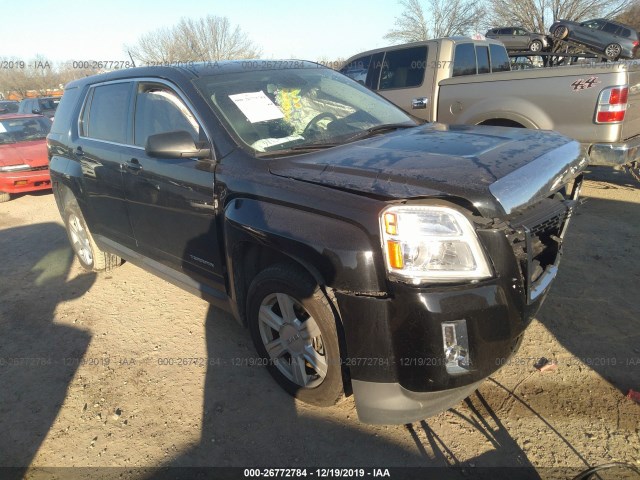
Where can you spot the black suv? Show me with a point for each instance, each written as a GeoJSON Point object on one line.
{"type": "Point", "coordinates": [367, 254]}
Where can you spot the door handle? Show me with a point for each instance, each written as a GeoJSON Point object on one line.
{"type": "Point", "coordinates": [133, 164]}
{"type": "Point", "coordinates": [419, 103]}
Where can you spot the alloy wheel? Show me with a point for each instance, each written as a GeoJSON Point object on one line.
{"type": "Point", "coordinates": [80, 239]}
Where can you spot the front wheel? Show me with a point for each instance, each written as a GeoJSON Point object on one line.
{"type": "Point", "coordinates": [535, 46]}
{"type": "Point", "coordinates": [90, 256]}
{"type": "Point", "coordinates": [294, 330]}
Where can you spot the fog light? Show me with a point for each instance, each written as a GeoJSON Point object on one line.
{"type": "Point", "coordinates": [456, 347]}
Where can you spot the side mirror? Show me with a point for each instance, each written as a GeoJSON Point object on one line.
{"type": "Point", "coordinates": [37, 111]}
{"type": "Point", "coordinates": [178, 144]}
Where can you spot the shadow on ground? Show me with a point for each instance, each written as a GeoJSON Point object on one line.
{"type": "Point", "coordinates": [38, 358]}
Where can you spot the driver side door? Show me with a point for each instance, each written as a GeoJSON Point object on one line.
{"type": "Point", "coordinates": [171, 200]}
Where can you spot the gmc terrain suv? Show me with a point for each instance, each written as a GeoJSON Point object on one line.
{"type": "Point", "coordinates": [366, 253]}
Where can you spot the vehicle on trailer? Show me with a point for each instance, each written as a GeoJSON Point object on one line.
{"type": "Point", "coordinates": [612, 39]}
{"type": "Point", "coordinates": [518, 38]}
{"type": "Point", "coordinates": [367, 253]}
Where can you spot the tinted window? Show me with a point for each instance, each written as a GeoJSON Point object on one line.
{"type": "Point", "coordinates": [625, 33]}
{"type": "Point", "coordinates": [482, 53]}
{"type": "Point", "coordinates": [159, 110]}
{"type": "Point", "coordinates": [499, 59]}
{"type": "Point", "coordinates": [108, 113]}
{"type": "Point", "coordinates": [464, 60]}
{"type": "Point", "coordinates": [593, 24]}
{"type": "Point", "coordinates": [65, 110]}
{"type": "Point", "coordinates": [403, 68]}
{"type": "Point", "coordinates": [8, 107]}
{"type": "Point", "coordinates": [357, 69]}
{"type": "Point", "coordinates": [374, 71]}
{"type": "Point", "coordinates": [505, 31]}
{"type": "Point", "coordinates": [610, 28]}
{"type": "Point", "coordinates": [48, 103]}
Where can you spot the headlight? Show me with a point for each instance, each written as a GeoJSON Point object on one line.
{"type": "Point", "coordinates": [14, 168]}
{"type": "Point", "coordinates": [431, 244]}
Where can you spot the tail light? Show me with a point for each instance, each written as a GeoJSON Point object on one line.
{"type": "Point", "coordinates": [612, 104]}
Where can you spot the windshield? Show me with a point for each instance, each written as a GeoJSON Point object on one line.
{"type": "Point", "coordinates": [14, 130]}
{"type": "Point", "coordinates": [8, 107]}
{"type": "Point", "coordinates": [273, 110]}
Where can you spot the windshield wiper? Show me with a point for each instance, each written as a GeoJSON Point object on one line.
{"type": "Point", "coordinates": [378, 129]}
{"type": "Point", "coordinates": [296, 149]}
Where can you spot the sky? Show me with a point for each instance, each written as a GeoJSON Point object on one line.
{"type": "Point", "coordinates": [90, 30]}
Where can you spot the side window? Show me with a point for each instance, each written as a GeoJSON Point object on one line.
{"type": "Point", "coordinates": [105, 118]}
{"type": "Point", "coordinates": [499, 59]}
{"type": "Point", "coordinates": [595, 24]}
{"type": "Point", "coordinates": [357, 69]}
{"type": "Point", "coordinates": [625, 33]}
{"type": "Point", "coordinates": [464, 60]}
{"type": "Point", "coordinates": [519, 31]}
{"type": "Point", "coordinates": [482, 53]}
{"type": "Point", "coordinates": [403, 68]}
{"type": "Point", "coordinates": [160, 110]}
{"type": "Point", "coordinates": [610, 28]}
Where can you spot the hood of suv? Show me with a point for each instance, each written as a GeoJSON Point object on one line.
{"type": "Point", "coordinates": [497, 169]}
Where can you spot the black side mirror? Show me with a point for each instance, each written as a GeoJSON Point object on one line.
{"type": "Point", "coordinates": [37, 111]}
{"type": "Point", "coordinates": [178, 144]}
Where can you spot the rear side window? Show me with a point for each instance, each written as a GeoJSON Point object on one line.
{"type": "Point", "coordinates": [482, 53]}
{"type": "Point", "coordinates": [464, 60]}
{"type": "Point", "coordinates": [499, 59]}
{"type": "Point", "coordinates": [625, 32]}
{"type": "Point", "coordinates": [403, 68]}
{"type": "Point", "coordinates": [62, 119]}
{"type": "Point", "coordinates": [105, 118]}
{"type": "Point", "coordinates": [610, 28]}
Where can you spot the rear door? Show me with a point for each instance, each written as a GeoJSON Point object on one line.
{"type": "Point", "coordinates": [99, 148]}
{"type": "Point", "coordinates": [171, 201]}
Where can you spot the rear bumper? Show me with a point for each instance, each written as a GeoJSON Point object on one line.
{"type": "Point", "coordinates": [614, 154]}
{"type": "Point", "coordinates": [27, 181]}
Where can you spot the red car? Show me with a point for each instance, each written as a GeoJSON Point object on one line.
{"type": "Point", "coordinates": [24, 166]}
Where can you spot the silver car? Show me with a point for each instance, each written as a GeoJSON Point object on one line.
{"type": "Point", "coordinates": [517, 38]}
{"type": "Point", "coordinates": [612, 39]}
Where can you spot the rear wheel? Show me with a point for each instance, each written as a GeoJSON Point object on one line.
{"type": "Point", "coordinates": [4, 197]}
{"type": "Point", "coordinates": [613, 51]}
{"type": "Point", "coordinates": [535, 46]}
{"type": "Point", "coordinates": [90, 256]}
{"type": "Point", "coordinates": [294, 330]}
{"type": "Point", "coordinates": [561, 32]}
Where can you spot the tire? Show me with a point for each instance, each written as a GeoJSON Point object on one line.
{"type": "Point", "coordinates": [4, 197]}
{"type": "Point", "coordinates": [561, 32]}
{"type": "Point", "coordinates": [281, 304]}
{"type": "Point", "coordinates": [536, 46]}
{"type": "Point", "coordinates": [613, 51]}
{"type": "Point", "coordinates": [84, 247]}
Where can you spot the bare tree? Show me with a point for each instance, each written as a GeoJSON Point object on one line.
{"type": "Point", "coordinates": [538, 15]}
{"type": "Point", "coordinates": [209, 38]}
{"type": "Point", "coordinates": [630, 16]}
{"type": "Point", "coordinates": [442, 19]}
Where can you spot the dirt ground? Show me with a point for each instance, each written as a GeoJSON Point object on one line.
{"type": "Point", "coordinates": [125, 370]}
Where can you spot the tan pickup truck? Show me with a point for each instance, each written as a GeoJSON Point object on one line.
{"type": "Point", "coordinates": [458, 80]}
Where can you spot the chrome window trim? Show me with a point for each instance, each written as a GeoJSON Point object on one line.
{"type": "Point", "coordinates": [137, 81]}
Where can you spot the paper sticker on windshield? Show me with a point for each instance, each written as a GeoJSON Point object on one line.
{"type": "Point", "coordinates": [2, 129]}
{"type": "Point", "coordinates": [582, 84]}
{"type": "Point", "coordinates": [256, 106]}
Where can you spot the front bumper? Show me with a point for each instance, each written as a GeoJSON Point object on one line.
{"type": "Point", "coordinates": [614, 154]}
{"type": "Point", "coordinates": [25, 181]}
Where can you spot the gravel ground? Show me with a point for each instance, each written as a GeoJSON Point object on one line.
{"type": "Point", "coordinates": [125, 370]}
